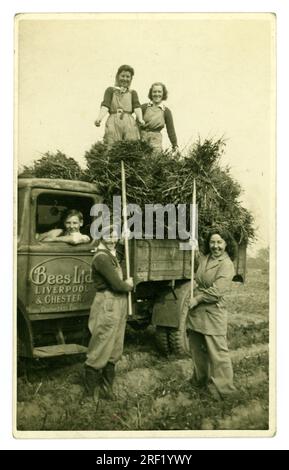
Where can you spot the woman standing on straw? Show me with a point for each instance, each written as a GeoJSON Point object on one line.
{"type": "Point", "coordinates": [120, 102]}
{"type": "Point", "coordinates": [157, 116]}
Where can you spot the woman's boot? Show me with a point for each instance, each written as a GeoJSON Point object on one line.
{"type": "Point", "coordinates": [93, 380]}
{"type": "Point", "coordinates": [108, 379]}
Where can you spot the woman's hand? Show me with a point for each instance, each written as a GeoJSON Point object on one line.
{"type": "Point", "coordinates": [142, 123]}
{"type": "Point", "coordinates": [129, 282]}
{"type": "Point", "coordinates": [175, 151]}
{"type": "Point", "coordinates": [125, 234]}
{"type": "Point", "coordinates": [196, 300]}
{"type": "Point", "coordinates": [194, 244]}
{"type": "Point", "coordinates": [193, 304]}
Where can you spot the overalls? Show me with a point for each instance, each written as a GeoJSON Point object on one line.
{"type": "Point", "coordinates": [120, 125]}
{"type": "Point", "coordinates": [154, 117]}
{"type": "Point", "coordinates": [107, 322]}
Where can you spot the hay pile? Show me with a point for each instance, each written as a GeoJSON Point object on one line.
{"type": "Point", "coordinates": [159, 179]}
{"type": "Point", "coordinates": [53, 165]}
{"type": "Point", "coordinates": [165, 178]}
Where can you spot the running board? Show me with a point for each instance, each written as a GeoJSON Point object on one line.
{"type": "Point", "coordinates": [58, 350]}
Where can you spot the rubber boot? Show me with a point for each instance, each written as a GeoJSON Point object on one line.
{"type": "Point", "coordinates": [92, 379]}
{"type": "Point", "coordinates": [197, 384]}
{"type": "Point", "coordinates": [108, 379]}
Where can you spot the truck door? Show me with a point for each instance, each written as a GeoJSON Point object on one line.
{"type": "Point", "coordinates": [59, 274]}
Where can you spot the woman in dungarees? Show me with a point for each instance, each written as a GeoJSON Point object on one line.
{"type": "Point", "coordinates": [107, 319]}
{"type": "Point", "coordinates": [120, 102]}
{"type": "Point", "coordinates": [157, 116]}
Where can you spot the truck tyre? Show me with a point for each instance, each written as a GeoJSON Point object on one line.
{"type": "Point", "coordinates": [162, 339]}
{"type": "Point", "coordinates": [139, 325]}
{"type": "Point", "coordinates": [178, 338]}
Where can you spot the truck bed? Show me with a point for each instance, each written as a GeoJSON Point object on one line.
{"type": "Point", "coordinates": [161, 260]}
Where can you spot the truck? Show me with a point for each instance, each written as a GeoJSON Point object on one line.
{"type": "Point", "coordinates": [54, 283]}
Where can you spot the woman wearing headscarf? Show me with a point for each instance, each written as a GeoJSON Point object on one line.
{"type": "Point", "coordinates": [120, 101]}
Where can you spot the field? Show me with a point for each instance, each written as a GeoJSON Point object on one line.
{"type": "Point", "coordinates": [154, 392]}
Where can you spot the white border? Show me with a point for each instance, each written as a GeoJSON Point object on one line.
{"type": "Point", "coordinates": [6, 42]}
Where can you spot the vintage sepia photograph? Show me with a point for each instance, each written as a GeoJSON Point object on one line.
{"type": "Point", "coordinates": [145, 161]}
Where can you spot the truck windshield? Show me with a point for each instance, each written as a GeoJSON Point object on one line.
{"type": "Point", "coordinates": [51, 208]}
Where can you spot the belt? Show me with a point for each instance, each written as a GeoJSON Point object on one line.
{"type": "Point", "coordinates": [120, 112]}
{"type": "Point", "coordinates": [152, 130]}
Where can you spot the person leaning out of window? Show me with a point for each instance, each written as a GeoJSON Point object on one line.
{"type": "Point", "coordinates": [72, 223]}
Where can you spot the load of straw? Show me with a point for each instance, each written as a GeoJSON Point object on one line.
{"type": "Point", "coordinates": [165, 178]}
{"type": "Point", "coordinates": [162, 178]}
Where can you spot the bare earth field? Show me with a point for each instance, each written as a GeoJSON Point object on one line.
{"type": "Point", "coordinates": [154, 392]}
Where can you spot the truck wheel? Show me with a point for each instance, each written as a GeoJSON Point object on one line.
{"type": "Point", "coordinates": [162, 339]}
{"type": "Point", "coordinates": [139, 325]}
{"type": "Point", "coordinates": [178, 338]}
{"type": "Point", "coordinates": [179, 343]}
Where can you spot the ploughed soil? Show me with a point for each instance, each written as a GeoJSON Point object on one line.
{"type": "Point", "coordinates": [153, 392]}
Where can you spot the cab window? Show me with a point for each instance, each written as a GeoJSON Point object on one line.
{"type": "Point", "coordinates": [51, 208]}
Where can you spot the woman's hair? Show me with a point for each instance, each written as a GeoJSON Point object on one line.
{"type": "Point", "coordinates": [165, 91]}
{"type": "Point", "coordinates": [226, 236]}
{"type": "Point", "coordinates": [71, 213]}
{"type": "Point", "coordinates": [124, 68]}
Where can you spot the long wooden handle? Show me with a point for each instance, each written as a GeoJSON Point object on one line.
{"type": "Point", "coordinates": [193, 239]}
{"type": "Point", "coordinates": [126, 248]}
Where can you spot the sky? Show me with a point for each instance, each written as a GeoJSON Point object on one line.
{"type": "Point", "coordinates": [218, 68]}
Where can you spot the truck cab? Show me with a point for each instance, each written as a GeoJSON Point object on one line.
{"type": "Point", "coordinates": [55, 289]}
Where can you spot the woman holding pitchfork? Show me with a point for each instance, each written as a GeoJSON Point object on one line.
{"type": "Point", "coordinates": [207, 319]}
{"type": "Point", "coordinates": [107, 319]}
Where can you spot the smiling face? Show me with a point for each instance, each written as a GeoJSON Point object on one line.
{"type": "Point", "coordinates": [157, 94]}
{"type": "Point", "coordinates": [124, 78]}
{"type": "Point", "coordinates": [72, 224]}
{"type": "Point", "coordinates": [217, 245]}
